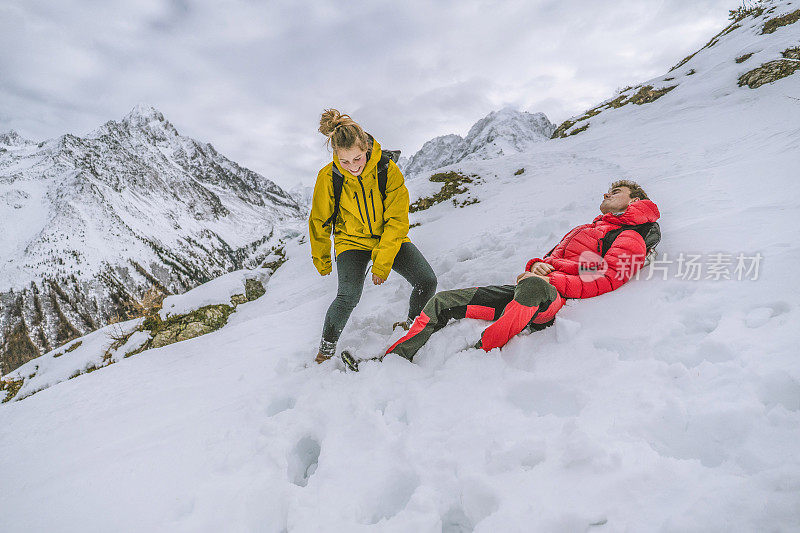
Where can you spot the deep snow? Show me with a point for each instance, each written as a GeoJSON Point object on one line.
{"type": "Point", "coordinates": [668, 405]}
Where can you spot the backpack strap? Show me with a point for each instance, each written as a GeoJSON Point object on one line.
{"type": "Point", "coordinates": [338, 182]}
{"type": "Point", "coordinates": [650, 232]}
{"type": "Point", "coordinates": [383, 169]}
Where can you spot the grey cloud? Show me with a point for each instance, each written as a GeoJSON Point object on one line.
{"type": "Point", "coordinates": [252, 77]}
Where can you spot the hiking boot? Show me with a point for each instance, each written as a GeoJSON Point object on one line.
{"type": "Point", "coordinates": [321, 358]}
{"type": "Point", "coordinates": [326, 351]}
{"type": "Point", "coordinates": [351, 362]}
{"type": "Point", "coordinates": [406, 325]}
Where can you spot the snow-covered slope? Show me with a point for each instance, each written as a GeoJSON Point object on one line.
{"type": "Point", "coordinates": [90, 223]}
{"type": "Point", "coordinates": [503, 132]}
{"type": "Point", "coordinates": [110, 344]}
{"type": "Point", "coordinates": [670, 405]}
{"type": "Point", "coordinates": [759, 49]}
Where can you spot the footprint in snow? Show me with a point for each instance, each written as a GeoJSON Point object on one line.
{"type": "Point", "coordinates": [455, 520]}
{"type": "Point", "coordinates": [761, 315]}
{"type": "Point", "coordinates": [700, 321]}
{"type": "Point", "coordinates": [303, 460]}
{"type": "Point", "coordinates": [281, 404]}
{"type": "Point", "coordinates": [477, 501]}
{"type": "Point", "coordinates": [779, 388]}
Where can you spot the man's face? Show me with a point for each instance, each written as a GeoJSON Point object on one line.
{"type": "Point", "coordinates": [616, 200]}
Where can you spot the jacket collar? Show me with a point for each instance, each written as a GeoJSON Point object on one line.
{"type": "Point", "coordinates": [637, 213]}
{"type": "Point", "coordinates": [372, 162]}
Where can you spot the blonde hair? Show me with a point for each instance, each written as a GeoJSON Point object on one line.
{"type": "Point", "coordinates": [342, 131]}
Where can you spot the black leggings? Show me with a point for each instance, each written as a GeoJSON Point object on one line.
{"type": "Point", "coordinates": [351, 268]}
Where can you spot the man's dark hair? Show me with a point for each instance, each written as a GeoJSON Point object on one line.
{"type": "Point", "coordinates": [636, 190]}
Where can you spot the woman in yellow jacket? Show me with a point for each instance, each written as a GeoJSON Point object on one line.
{"type": "Point", "coordinates": [370, 225]}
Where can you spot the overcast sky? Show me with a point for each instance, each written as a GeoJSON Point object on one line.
{"type": "Point", "coordinates": [251, 77]}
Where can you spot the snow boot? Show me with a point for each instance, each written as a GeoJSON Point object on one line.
{"type": "Point", "coordinates": [406, 324]}
{"type": "Point", "coordinates": [351, 362]}
{"type": "Point", "coordinates": [326, 351]}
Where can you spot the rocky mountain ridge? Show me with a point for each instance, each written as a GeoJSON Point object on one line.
{"type": "Point", "coordinates": [12, 140]}
{"type": "Point", "coordinates": [92, 223]}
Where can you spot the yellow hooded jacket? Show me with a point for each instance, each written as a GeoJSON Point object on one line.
{"type": "Point", "coordinates": [362, 214]}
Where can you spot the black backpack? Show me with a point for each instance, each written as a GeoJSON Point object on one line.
{"type": "Point", "coordinates": [650, 232]}
{"type": "Point", "coordinates": [338, 182]}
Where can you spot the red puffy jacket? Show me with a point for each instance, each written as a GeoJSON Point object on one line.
{"type": "Point", "coordinates": [574, 256]}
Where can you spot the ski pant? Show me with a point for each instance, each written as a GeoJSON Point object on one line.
{"type": "Point", "coordinates": [351, 268]}
{"type": "Point", "coordinates": [533, 301]}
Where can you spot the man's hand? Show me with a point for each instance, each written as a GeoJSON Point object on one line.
{"type": "Point", "coordinates": [377, 280]}
{"type": "Point", "coordinates": [541, 269]}
{"type": "Point", "coordinates": [531, 275]}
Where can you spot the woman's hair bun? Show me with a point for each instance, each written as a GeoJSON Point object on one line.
{"type": "Point", "coordinates": [342, 131]}
{"type": "Point", "coordinates": [328, 121]}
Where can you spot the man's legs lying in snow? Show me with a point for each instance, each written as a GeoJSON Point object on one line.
{"type": "Point", "coordinates": [532, 300]}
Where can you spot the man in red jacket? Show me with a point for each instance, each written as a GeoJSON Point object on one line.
{"type": "Point", "coordinates": [591, 259]}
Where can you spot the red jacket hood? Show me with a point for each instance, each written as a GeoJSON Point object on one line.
{"type": "Point", "coordinates": [637, 213]}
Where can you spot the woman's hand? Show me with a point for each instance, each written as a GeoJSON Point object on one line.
{"type": "Point", "coordinates": [377, 280]}
{"type": "Point", "coordinates": [541, 269]}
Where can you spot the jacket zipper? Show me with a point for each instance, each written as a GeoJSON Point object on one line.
{"type": "Point", "coordinates": [372, 201]}
{"type": "Point", "coordinates": [355, 195]}
{"type": "Point", "coordinates": [364, 192]}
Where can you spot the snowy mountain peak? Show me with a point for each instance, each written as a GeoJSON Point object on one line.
{"type": "Point", "coordinates": [144, 113]}
{"type": "Point", "coordinates": [12, 139]}
{"type": "Point", "coordinates": [150, 119]}
{"type": "Point", "coordinates": [504, 132]}
{"type": "Point", "coordinates": [142, 118]}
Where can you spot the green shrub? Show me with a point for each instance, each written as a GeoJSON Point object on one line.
{"type": "Point", "coordinates": [453, 184]}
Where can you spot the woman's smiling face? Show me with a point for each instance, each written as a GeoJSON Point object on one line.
{"type": "Point", "coordinates": [352, 159]}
